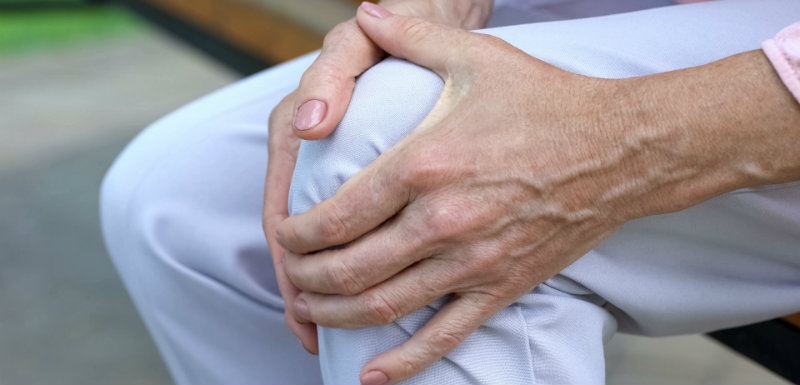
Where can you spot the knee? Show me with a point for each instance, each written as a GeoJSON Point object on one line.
{"type": "Point", "coordinates": [184, 201]}
{"type": "Point", "coordinates": [389, 100]}
{"type": "Point", "coordinates": [116, 192]}
{"type": "Point", "coordinates": [122, 201]}
{"type": "Point", "coordinates": [136, 190]}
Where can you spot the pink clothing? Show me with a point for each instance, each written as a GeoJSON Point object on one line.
{"type": "Point", "coordinates": [784, 52]}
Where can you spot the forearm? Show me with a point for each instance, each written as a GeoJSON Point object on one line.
{"type": "Point", "coordinates": [722, 126]}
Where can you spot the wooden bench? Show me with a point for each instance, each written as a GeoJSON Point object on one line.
{"type": "Point", "coordinates": [248, 35]}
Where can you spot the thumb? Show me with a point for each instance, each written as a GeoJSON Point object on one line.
{"type": "Point", "coordinates": [428, 44]}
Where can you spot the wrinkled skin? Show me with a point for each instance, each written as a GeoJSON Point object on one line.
{"type": "Point", "coordinates": [346, 53]}
{"type": "Point", "coordinates": [519, 169]}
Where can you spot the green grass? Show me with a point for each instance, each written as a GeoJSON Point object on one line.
{"type": "Point", "coordinates": [41, 29]}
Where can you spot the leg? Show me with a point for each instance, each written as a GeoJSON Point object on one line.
{"type": "Point", "coordinates": [643, 274]}
{"type": "Point", "coordinates": [181, 213]}
{"type": "Point", "coordinates": [181, 216]}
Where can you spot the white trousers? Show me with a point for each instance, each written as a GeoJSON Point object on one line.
{"type": "Point", "coordinates": [181, 213]}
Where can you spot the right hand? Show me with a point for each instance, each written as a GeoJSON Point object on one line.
{"type": "Point", "coordinates": [315, 108]}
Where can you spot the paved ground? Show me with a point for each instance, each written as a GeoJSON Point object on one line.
{"type": "Point", "coordinates": [64, 316]}
{"type": "Point", "coordinates": [64, 115]}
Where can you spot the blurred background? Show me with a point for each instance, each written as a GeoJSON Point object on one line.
{"type": "Point", "coordinates": [78, 80]}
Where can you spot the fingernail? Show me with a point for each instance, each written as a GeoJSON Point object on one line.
{"type": "Point", "coordinates": [309, 114]}
{"type": "Point", "coordinates": [374, 377]}
{"type": "Point", "coordinates": [375, 10]}
{"type": "Point", "coordinates": [301, 309]}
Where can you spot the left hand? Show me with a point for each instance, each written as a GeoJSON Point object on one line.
{"type": "Point", "coordinates": [283, 146]}
{"type": "Point", "coordinates": [519, 169]}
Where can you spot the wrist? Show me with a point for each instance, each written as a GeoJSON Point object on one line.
{"type": "Point", "coordinates": [712, 129]}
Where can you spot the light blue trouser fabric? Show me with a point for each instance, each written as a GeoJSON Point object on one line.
{"type": "Point", "coordinates": [181, 216]}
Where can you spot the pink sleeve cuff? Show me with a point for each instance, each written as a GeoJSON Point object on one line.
{"type": "Point", "coordinates": [784, 52]}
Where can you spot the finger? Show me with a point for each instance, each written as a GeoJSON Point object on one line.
{"type": "Point", "coordinates": [362, 203]}
{"type": "Point", "coordinates": [428, 44]}
{"type": "Point", "coordinates": [363, 263]}
{"type": "Point", "coordinates": [327, 85]}
{"type": "Point", "coordinates": [283, 146]}
{"type": "Point", "coordinates": [305, 332]}
{"type": "Point", "coordinates": [403, 294]}
{"type": "Point", "coordinates": [449, 328]}
{"type": "Point", "coordinates": [282, 156]}
{"type": "Point", "coordinates": [302, 328]}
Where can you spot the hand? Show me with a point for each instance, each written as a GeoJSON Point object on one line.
{"type": "Point", "coordinates": [482, 202]}
{"type": "Point", "coordinates": [327, 86]}
{"type": "Point", "coordinates": [318, 105]}
{"type": "Point", "coordinates": [518, 170]}
{"type": "Point", "coordinates": [282, 147]}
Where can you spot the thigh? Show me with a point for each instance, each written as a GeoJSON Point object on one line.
{"type": "Point", "coordinates": [391, 98]}
{"type": "Point", "coordinates": [181, 214]}
{"type": "Point", "coordinates": [730, 261]}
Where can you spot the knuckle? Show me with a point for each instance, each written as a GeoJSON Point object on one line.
{"type": "Point", "coordinates": [487, 264]}
{"type": "Point", "coordinates": [333, 228]}
{"type": "Point", "coordinates": [442, 220]}
{"type": "Point", "coordinates": [327, 68]}
{"type": "Point", "coordinates": [379, 310]}
{"type": "Point", "coordinates": [480, 50]}
{"type": "Point", "coordinates": [288, 236]}
{"type": "Point", "coordinates": [406, 173]}
{"type": "Point", "coordinates": [280, 116]}
{"type": "Point", "coordinates": [270, 220]}
{"type": "Point", "coordinates": [410, 365]}
{"type": "Point", "coordinates": [290, 268]}
{"type": "Point", "coordinates": [285, 234]}
{"type": "Point", "coordinates": [323, 72]}
{"type": "Point", "coordinates": [422, 168]}
{"type": "Point", "coordinates": [413, 28]}
{"type": "Point", "coordinates": [338, 33]}
{"type": "Point", "coordinates": [445, 339]}
{"type": "Point", "coordinates": [414, 31]}
{"type": "Point", "coordinates": [342, 279]}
